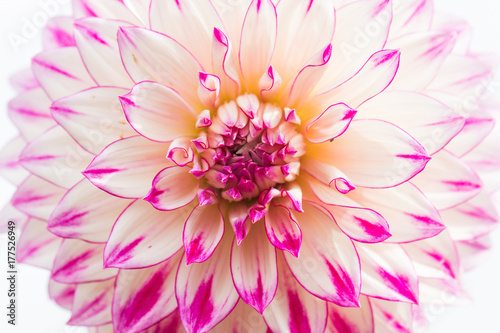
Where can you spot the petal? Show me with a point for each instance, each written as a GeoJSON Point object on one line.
{"type": "Point", "coordinates": [171, 324]}
{"type": "Point", "coordinates": [55, 157]}
{"type": "Point", "coordinates": [361, 30]}
{"type": "Point", "coordinates": [335, 277]}
{"type": "Point", "coordinates": [429, 121]}
{"type": "Point", "coordinates": [422, 53]}
{"type": "Point", "coordinates": [202, 233]}
{"type": "Point", "coordinates": [205, 291]}
{"type": "Point", "coordinates": [392, 316]}
{"type": "Point", "coordinates": [37, 198]}
{"type": "Point", "coordinates": [173, 187]}
{"type": "Point", "coordinates": [96, 39]}
{"type": "Point", "coordinates": [175, 67]}
{"type": "Point", "coordinates": [78, 262]}
{"type": "Point", "coordinates": [294, 309]}
{"type": "Point", "coordinates": [332, 123]}
{"type": "Point", "coordinates": [254, 271]}
{"type": "Point", "coordinates": [434, 257]}
{"type": "Point", "coordinates": [86, 213]}
{"type": "Point", "coordinates": [92, 304]}
{"type": "Point", "coordinates": [9, 213]}
{"type": "Point", "coordinates": [260, 25]}
{"type": "Point", "coordinates": [224, 64]}
{"type": "Point", "coordinates": [412, 16]}
{"type": "Point", "coordinates": [62, 294]}
{"type": "Point", "coordinates": [473, 252]}
{"type": "Point", "coordinates": [373, 78]}
{"type": "Point", "coordinates": [30, 113]}
{"type": "Point", "coordinates": [61, 72]}
{"type": "Point", "coordinates": [326, 174]}
{"type": "Point", "coordinates": [58, 33]}
{"type": "Point", "coordinates": [126, 168]}
{"type": "Point", "coordinates": [144, 296]}
{"type": "Point", "coordinates": [243, 318]}
{"type": "Point", "coordinates": [10, 168]}
{"type": "Point", "coordinates": [360, 224]}
{"type": "Point", "coordinates": [343, 320]}
{"type": "Point", "coordinates": [283, 230]}
{"type": "Point", "coordinates": [24, 80]}
{"type": "Point", "coordinates": [140, 8]}
{"type": "Point", "coordinates": [296, 20]}
{"type": "Point", "coordinates": [37, 246]}
{"type": "Point", "coordinates": [189, 22]}
{"type": "Point", "coordinates": [447, 181]}
{"type": "Point", "coordinates": [411, 216]}
{"type": "Point", "coordinates": [477, 127]}
{"type": "Point", "coordinates": [158, 112]}
{"type": "Point", "coordinates": [93, 125]}
{"type": "Point", "coordinates": [394, 156]}
{"type": "Point", "coordinates": [113, 10]}
{"type": "Point", "coordinates": [387, 272]}
{"type": "Point", "coordinates": [472, 219]}
{"type": "Point", "coordinates": [240, 221]}
{"type": "Point", "coordinates": [156, 238]}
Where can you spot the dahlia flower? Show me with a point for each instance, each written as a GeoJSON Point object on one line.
{"type": "Point", "coordinates": [253, 165]}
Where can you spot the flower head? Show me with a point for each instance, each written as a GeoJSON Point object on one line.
{"type": "Point", "coordinates": [252, 165]}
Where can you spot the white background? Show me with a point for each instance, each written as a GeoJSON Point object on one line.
{"type": "Point", "coordinates": [38, 314]}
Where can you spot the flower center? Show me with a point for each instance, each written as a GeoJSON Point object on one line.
{"type": "Point", "coordinates": [247, 148]}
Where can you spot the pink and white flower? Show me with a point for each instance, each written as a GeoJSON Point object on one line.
{"type": "Point", "coordinates": [253, 165]}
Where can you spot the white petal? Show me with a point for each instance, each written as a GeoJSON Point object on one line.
{"type": "Point", "coordinates": [447, 181]}
{"type": "Point", "coordinates": [373, 153]}
{"type": "Point", "coordinates": [93, 125]}
{"type": "Point", "coordinates": [10, 168]}
{"type": "Point", "coordinates": [156, 238]}
{"type": "Point", "coordinates": [114, 10]}
{"type": "Point", "coordinates": [296, 20]}
{"type": "Point", "coordinates": [158, 112]}
{"type": "Point", "coordinates": [412, 16]}
{"type": "Point", "coordinates": [361, 30]}
{"type": "Point", "coordinates": [332, 123]}
{"type": "Point", "coordinates": [96, 39]}
{"type": "Point", "coordinates": [86, 213]}
{"type": "Point", "coordinates": [55, 157]}
{"type": "Point", "coordinates": [126, 168]}
{"type": "Point", "coordinates": [61, 72]}
{"type": "Point", "coordinates": [258, 37]}
{"type": "Point", "coordinates": [429, 121]}
{"type": "Point", "coordinates": [189, 22]}
{"type": "Point", "coordinates": [175, 67]}
{"type": "Point", "coordinates": [58, 33]}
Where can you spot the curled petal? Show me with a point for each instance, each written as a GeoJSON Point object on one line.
{"type": "Point", "coordinates": [330, 124]}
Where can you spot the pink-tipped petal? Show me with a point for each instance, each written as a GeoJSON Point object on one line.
{"type": "Point", "coordinates": [63, 294]}
{"type": "Point", "coordinates": [283, 230]}
{"type": "Point", "coordinates": [61, 72]}
{"type": "Point", "coordinates": [294, 309]}
{"type": "Point", "coordinates": [86, 213]}
{"type": "Point", "coordinates": [138, 245]}
{"type": "Point", "coordinates": [392, 316]}
{"type": "Point", "coordinates": [36, 245]}
{"type": "Point", "coordinates": [202, 233]}
{"type": "Point", "coordinates": [343, 320]}
{"type": "Point", "coordinates": [330, 124]}
{"type": "Point", "coordinates": [144, 296]}
{"type": "Point", "coordinates": [447, 181]}
{"type": "Point", "coordinates": [10, 168]}
{"type": "Point", "coordinates": [254, 271]}
{"type": "Point", "coordinates": [205, 291]}
{"type": "Point", "coordinates": [334, 277]}
{"type": "Point", "coordinates": [93, 125]}
{"type": "Point", "coordinates": [173, 187]}
{"type": "Point", "coordinates": [387, 272]}
{"type": "Point", "coordinates": [126, 168]}
{"type": "Point", "coordinates": [80, 262]}
{"type": "Point", "coordinates": [58, 33]}
{"type": "Point", "coordinates": [92, 303]}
